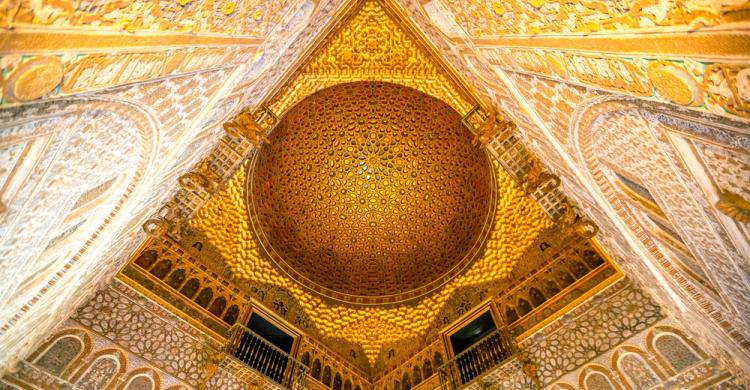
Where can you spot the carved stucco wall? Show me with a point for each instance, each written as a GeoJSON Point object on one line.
{"type": "Point", "coordinates": [628, 88]}
{"type": "Point", "coordinates": [119, 322]}
{"type": "Point", "coordinates": [625, 336]}
{"type": "Point", "coordinates": [620, 333]}
{"type": "Point", "coordinates": [171, 100]}
{"type": "Point", "coordinates": [79, 175]}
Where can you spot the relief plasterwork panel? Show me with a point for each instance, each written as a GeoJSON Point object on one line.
{"type": "Point", "coordinates": [249, 18]}
{"type": "Point", "coordinates": [702, 85]}
{"type": "Point", "coordinates": [109, 258]}
{"type": "Point", "coordinates": [372, 47]}
{"type": "Point", "coordinates": [569, 98]}
{"type": "Point", "coordinates": [86, 72]}
{"type": "Point", "coordinates": [513, 17]}
{"type": "Point", "coordinates": [147, 330]}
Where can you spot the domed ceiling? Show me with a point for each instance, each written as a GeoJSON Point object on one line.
{"type": "Point", "coordinates": [397, 314]}
{"type": "Point", "coordinates": [371, 192]}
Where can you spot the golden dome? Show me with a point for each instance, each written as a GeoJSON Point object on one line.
{"type": "Point", "coordinates": [371, 192]}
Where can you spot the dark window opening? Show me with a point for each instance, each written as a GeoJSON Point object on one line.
{"type": "Point", "coordinates": [265, 348]}
{"type": "Point", "coordinates": [271, 333]}
{"type": "Point", "coordinates": [477, 347]}
{"type": "Point", "coordinates": [473, 332]}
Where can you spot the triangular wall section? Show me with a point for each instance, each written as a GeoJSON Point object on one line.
{"type": "Point", "coordinates": [371, 45]}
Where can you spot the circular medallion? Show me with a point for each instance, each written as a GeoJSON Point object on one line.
{"type": "Point", "coordinates": [675, 84]}
{"type": "Point", "coordinates": [371, 192]}
{"type": "Point", "coordinates": [34, 79]}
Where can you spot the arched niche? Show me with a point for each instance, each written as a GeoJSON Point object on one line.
{"type": "Point", "coordinates": [595, 377]}
{"type": "Point", "coordinates": [635, 368]}
{"type": "Point", "coordinates": [62, 353]}
{"type": "Point", "coordinates": [102, 371]}
{"type": "Point", "coordinates": [675, 352]}
{"type": "Point", "coordinates": [316, 370]}
{"type": "Point", "coordinates": [141, 379]}
{"type": "Point", "coordinates": [63, 192]}
{"type": "Point", "coordinates": [326, 379]}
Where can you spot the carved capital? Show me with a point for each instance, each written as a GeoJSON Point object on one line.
{"type": "Point", "coordinates": [252, 126]}
{"type": "Point", "coordinates": [165, 222]}
{"type": "Point", "coordinates": [486, 125]}
{"type": "Point", "coordinates": [537, 178]}
{"type": "Point", "coordinates": [200, 179]}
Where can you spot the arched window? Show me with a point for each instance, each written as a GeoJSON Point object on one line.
{"type": "Point", "coordinates": [510, 315]}
{"type": "Point", "coordinates": [438, 358]}
{"type": "Point", "coordinates": [230, 317]}
{"type": "Point", "coordinates": [597, 381]}
{"type": "Point", "coordinates": [176, 278]}
{"type": "Point", "coordinates": [564, 277]}
{"type": "Point", "coordinates": [536, 296]}
{"type": "Point", "coordinates": [336, 382]}
{"type": "Point", "coordinates": [327, 376]}
{"type": "Point", "coordinates": [204, 297]}
{"type": "Point", "coordinates": [190, 288]}
{"type": "Point", "coordinates": [396, 385]}
{"type": "Point", "coordinates": [161, 269]}
{"type": "Point", "coordinates": [675, 352]}
{"type": "Point", "coordinates": [316, 369]}
{"type": "Point", "coordinates": [550, 288]}
{"type": "Point", "coordinates": [416, 375]}
{"type": "Point", "coordinates": [427, 368]}
{"type": "Point", "coordinates": [218, 306]}
{"type": "Point", "coordinates": [141, 382]}
{"type": "Point", "coordinates": [523, 307]}
{"type": "Point", "coordinates": [405, 382]}
{"type": "Point", "coordinates": [305, 359]}
{"type": "Point", "coordinates": [61, 354]}
{"type": "Point", "coordinates": [348, 385]}
{"type": "Point", "coordinates": [578, 269]}
{"type": "Point", "coordinates": [592, 258]}
{"type": "Point", "coordinates": [100, 373]}
{"type": "Point", "coordinates": [359, 388]}
{"type": "Point", "coordinates": [146, 259]}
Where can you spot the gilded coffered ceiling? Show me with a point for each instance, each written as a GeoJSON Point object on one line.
{"type": "Point", "coordinates": [371, 192]}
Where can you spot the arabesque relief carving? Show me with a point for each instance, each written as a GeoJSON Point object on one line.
{"type": "Point", "coordinates": [707, 86]}
{"type": "Point", "coordinates": [507, 17]}
{"type": "Point", "coordinates": [250, 18]}
{"type": "Point", "coordinates": [372, 46]}
{"type": "Point", "coordinates": [33, 77]}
